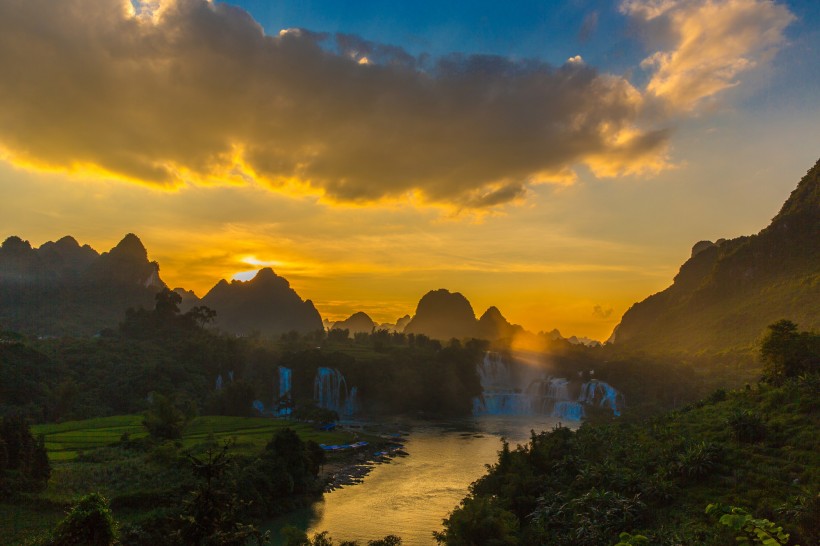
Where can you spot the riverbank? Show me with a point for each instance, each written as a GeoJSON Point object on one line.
{"type": "Point", "coordinates": [409, 496]}
{"type": "Point", "coordinates": [352, 469]}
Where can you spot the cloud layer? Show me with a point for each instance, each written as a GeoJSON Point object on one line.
{"type": "Point", "coordinates": [190, 90]}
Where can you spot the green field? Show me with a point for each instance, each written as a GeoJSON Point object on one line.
{"type": "Point", "coordinates": [65, 441]}
{"type": "Point", "coordinates": [125, 476]}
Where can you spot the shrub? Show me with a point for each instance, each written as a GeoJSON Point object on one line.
{"type": "Point", "coordinates": [698, 460]}
{"type": "Point", "coordinates": [89, 523]}
{"type": "Point", "coordinates": [747, 426]}
{"type": "Point", "coordinates": [752, 530]}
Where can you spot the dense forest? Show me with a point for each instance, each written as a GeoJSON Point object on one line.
{"type": "Point", "coordinates": [175, 354]}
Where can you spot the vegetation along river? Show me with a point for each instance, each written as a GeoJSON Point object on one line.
{"type": "Point", "coordinates": [411, 495]}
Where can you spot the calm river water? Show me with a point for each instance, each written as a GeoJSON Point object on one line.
{"type": "Point", "coordinates": [411, 495]}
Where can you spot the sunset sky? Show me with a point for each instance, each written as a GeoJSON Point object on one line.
{"type": "Point", "coordinates": [555, 159]}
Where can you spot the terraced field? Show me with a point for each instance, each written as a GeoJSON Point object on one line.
{"type": "Point", "coordinates": [65, 441]}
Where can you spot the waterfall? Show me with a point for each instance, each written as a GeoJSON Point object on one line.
{"type": "Point", "coordinates": [558, 389]}
{"type": "Point", "coordinates": [330, 392]}
{"type": "Point", "coordinates": [285, 385]}
{"type": "Point", "coordinates": [502, 395]}
{"type": "Point", "coordinates": [352, 402]}
{"type": "Point", "coordinates": [219, 382]}
{"type": "Point", "coordinates": [498, 396]}
{"type": "Point", "coordinates": [571, 411]}
{"type": "Point", "coordinates": [493, 371]}
{"type": "Point", "coordinates": [603, 395]}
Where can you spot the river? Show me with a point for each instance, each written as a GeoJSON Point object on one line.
{"type": "Point", "coordinates": [411, 495]}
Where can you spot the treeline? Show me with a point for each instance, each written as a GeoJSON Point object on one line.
{"type": "Point", "coordinates": [178, 356]}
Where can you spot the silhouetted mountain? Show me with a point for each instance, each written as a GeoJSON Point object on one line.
{"type": "Point", "coordinates": [356, 323]}
{"type": "Point", "coordinates": [493, 326]}
{"type": "Point", "coordinates": [445, 315]}
{"type": "Point", "coordinates": [265, 304]}
{"type": "Point", "coordinates": [728, 292]}
{"type": "Point", "coordinates": [398, 326]}
{"type": "Point", "coordinates": [67, 257]}
{"type": "Point", "coordinates": [442, 314]}
{"type": "Point", "coordinates": [189, 299]}
{"type": "Point", "coordinates": [127, 264]}
{"type": "Point", "coordinates": [63, 288]}
{"type": "Point", "coordinates": [402, 323]}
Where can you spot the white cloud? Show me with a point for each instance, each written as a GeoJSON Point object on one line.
{"type": "Point", "coordinates": [713, 43]}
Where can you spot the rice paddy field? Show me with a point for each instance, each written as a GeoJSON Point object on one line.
{"type": "Point", "coordinates": [88, 456]}
{"type": "Point", "coordinates": [66, 441]}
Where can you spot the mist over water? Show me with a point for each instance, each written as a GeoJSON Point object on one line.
{"type": "Point", "coordinates": [411, 495]}
{"type": "Point", "coordinates": [511, 387]}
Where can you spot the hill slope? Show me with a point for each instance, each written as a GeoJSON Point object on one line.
{"type": "Point", "coordinates": [757, 449]}
{"type": "Point", "coordinates": [728, 291]}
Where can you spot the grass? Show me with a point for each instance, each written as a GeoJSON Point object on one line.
{"type": "Point", "coordinates": [20, 523]}
{"type": "Point", "coordinates": [65, 441]}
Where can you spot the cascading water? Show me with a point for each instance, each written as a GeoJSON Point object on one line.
{"type": "Point", "coordinates": [352, 402]}
{"type": "Point", "coordinates": [285, 385]}
{"type": "Point", "coordinates": [545, 395]}
{"type": "Point", "coordinates": [498, 396]}
{"type": "Point", "coordinates": [571, 411]}
{"type": "Point", "coordinates": [330, 392]}
{"type": "Point", "coordinates": [602, 395]}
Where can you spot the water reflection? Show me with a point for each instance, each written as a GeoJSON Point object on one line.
{"type": "Point", "coordinates": [410, 496]}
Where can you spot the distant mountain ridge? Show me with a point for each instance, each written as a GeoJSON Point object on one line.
{"type": "Point", "coordinates": [444, 315]}
{"type": "Point", "coordinates": [62, 288]}
{"type": "Point", "coordinates": [359, 322]}
{"type": "Point", "coordinates": [728, 292]}
{"type": "Point", "coordinates": [265, 304]}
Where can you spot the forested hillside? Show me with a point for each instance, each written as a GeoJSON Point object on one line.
{"type": "Point", "coordinates": [728, 291]}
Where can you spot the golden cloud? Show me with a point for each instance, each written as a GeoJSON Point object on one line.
{"type": "Point", "coordinates": [191, 91]}
{"type": "Point", "coordinates": [711, 43]}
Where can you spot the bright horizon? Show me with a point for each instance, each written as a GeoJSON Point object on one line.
{"type": "Point", "coordinates": [561, 176]}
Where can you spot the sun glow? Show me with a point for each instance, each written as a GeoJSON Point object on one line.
{"type": "Point", "coordinates": [253, 260]}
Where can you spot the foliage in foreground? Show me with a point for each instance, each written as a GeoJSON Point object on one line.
{"type": "Point", "coordinates": [653, 479]}
{"type": "Point", "coordinates": [89, 523]}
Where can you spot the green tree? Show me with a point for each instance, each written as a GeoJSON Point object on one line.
{"type": "Point", "coordinates": [785, 352]}
{"type": "Point", "coordinates": [89, 523]}
{"type": "Point", "coordinates": [211, 514]}
{"type": "Point", "coordinates": [479, 521]}
{"type": "Point", "coordinates": [23, 460]}
{"type": "Point", "coordinates": [163, 419]}
{"type": "Point", "coordinates": [167, 303]}
{"type": "Point", "coordinates": [389, 540]}
{"type": "Point", "coordinates": [40, 467]}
